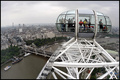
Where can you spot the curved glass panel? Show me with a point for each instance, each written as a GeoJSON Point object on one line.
{"type": "Point", "coordinates": [104, 24]}
{"type": "Point", "coordinates": [109, 24]}
{"type": "Point", "coordinates": [58, 27]}
{"type": "Point", "coordinates": [71, 12]}
{"type": "Point", "coordinates": [108, 20]}
{"type": "Point", "coordinates": [70, 23]}
{"type": "Point", "coordinates": [99, 13]}
{"type": "Point", "coordinates": [66, 23]}
{"type": "Point", "coordinates": [101, 23]}
{"type": "Point", "coordinates": [60, 23]}
{"type": "Point", "coordinates": [86, 22]}
{"type": "Point", "coordinates": [60, 18]}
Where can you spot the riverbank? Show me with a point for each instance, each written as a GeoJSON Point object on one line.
{"type": "Point", "coordinates": [53, 47]}
{"type": "Point", "coordinates": [28, 68]}
{"type": "Point", "coordinates": [10, 60]}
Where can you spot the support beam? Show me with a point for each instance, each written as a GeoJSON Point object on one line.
{"type": "Point", "coordinates": [68, 42]}
{"type": "Point", "coordinates": [65, 50]}
{"type": "Point", "coordinates": [60, 74]}
{"type": "Point", "coordinates": [104, 75]}
{"type": "Point", "coordinates": [54, 75]}
{"type": "Point", "coordinates": [89, 73]}
{"type": "Point", "coordinates": [64, 73]}
{"type": "Point", "coordinates": [64, 64]}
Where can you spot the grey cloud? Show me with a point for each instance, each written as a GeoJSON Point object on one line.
{"type": "Point", "coordinates": [32, 11]}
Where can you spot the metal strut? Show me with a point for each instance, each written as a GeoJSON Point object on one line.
{"type": "Point", "coordinates": [77, 57]}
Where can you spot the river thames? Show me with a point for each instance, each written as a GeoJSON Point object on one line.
{"type": "Point", "coordinates": [28, 68]}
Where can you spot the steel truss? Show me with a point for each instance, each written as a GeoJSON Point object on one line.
{"type": "Point", "coordinates": [78, 59]}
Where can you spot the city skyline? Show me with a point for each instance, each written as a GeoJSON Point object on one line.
{"type": "Point", "coordinates": [30, 12]}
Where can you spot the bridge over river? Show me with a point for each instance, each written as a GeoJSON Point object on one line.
{"type": "Point", "coordinates": [45, 51]}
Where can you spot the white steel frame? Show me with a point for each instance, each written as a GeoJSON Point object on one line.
{"type": "Point", "coordinates": [79, 55]}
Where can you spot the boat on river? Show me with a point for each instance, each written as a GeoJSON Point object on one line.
{"type": "Point", "coordinates": [27, 54]}
{"type": "Point", "coordinates": [7, 67]}
{"type": "Point", "coordinates": [17, 60]}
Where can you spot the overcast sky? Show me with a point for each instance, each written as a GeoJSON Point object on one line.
{"type": "Point", "coordinates": [30, 12]}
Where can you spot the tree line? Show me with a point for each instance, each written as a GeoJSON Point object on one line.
{"type": "Point", "coordinates": [9, 53]}
{"type": "Point", "coordinates": [46, 41]}
{"type": "Point", "coordinates": [15, 50]}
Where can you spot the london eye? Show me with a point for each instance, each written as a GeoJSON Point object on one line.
{"type": "Point", "coordinates": [81, 57]}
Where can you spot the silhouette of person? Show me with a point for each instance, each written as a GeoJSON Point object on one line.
{"type": "Point", "coordinates": [101, 24]}
{"type": "Point", "coordinates": [62, 22]}
{"type": "Point", "coordinates": [89, 23]}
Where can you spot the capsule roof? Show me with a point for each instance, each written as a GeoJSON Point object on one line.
{"type": "Point", "coordinates": [82, 11]}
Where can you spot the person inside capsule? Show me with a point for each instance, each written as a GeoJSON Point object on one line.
{"type": "Point", "coordinates": [89, 23]}
{"type": "Point", "coordinates": [80, 23]}
{"type": "Point", "coordinates": [71, 24]}
{"type": "Point", "coordinates": [62, 21]}
{"type": "Point", "coordinates": [85, 22]}
{"type": "Point", "coordinates": [101, 25]}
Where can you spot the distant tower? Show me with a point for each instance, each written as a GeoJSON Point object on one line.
{"type": "Point", "coordinates": [13, 24]}
{"type": "Point", "coordinates": [19, 25]}
{"type": "Point", "coordinates": [20, 29]}
{"type": "Point", "coordinates": [23, 25]}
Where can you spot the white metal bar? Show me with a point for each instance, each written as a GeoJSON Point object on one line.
{"type": "Point", "coordinates": [65, 50]}
{"type": "Point", "coordinates": [82, 47]}
{"type": "Point", "coordinates": [113, 75]}
{"type": "Point", "coordinates": [89, 55]}
{"type": "Point", "coordinates": [77, 74]}
{"type": "Point", "coordinates": [104, 75]}
{"type": "Point", "coordinates": [75, 70]}
{"type": "Point", "coordinates": [67, 68]}
{"type": "Point", "coordinates": [72, 39]}
{"type": "Point", "coordinates": [112, 72]}
{"type": "Point", "coordinates": [96, 24]}
{"type": "Point", "coordinates": [42, 70]}
{"type": "Point", "coordinates": [89, 73]}
{"type": "Point", "coordinates": [81, 70]}
{"type": "Point", "coordinates": [76, 25]}
{"type": "Point", "coordinates": [89, 43]}
{"type": "Point", "coordinates": [79, 57]}
{"type": "Point", "coordinates": [80, 52]}
{"type": "Point", "coordinates": [63, 59]}
{"type": "Point", "coordinates": [106, 53]}
{"type": "Point", "coordinates": [60, 74]}
{"type": "Point", "coordinates": [68, 71]}
{"type": "Point", "coordinates": [64, 73]}
{"type": "Point", "coordinates": [54, 75]}
{"type": "Point", "coordinates": [69, 58]}
{"type": "Point", "coordinates": [64, 64]}
{"type": "Point", "coordinates": [94, 60]}
{"type": "Point", "coordinates": [98, 56]}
